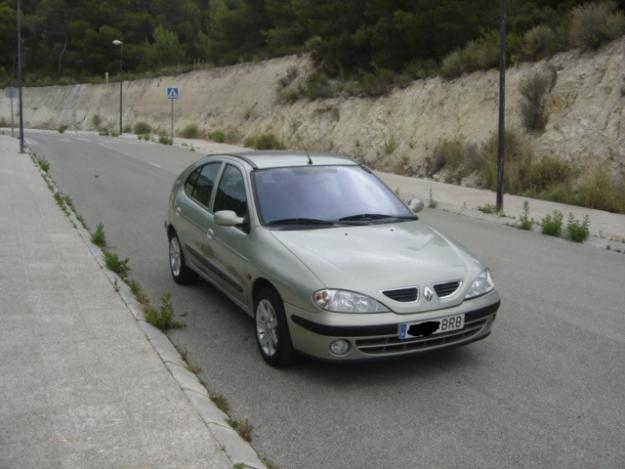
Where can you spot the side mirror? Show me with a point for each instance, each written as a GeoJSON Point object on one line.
{"type": "Point", "coordinates": [416, 205]}
{"type": "Point", "coordinates": [227, 218]}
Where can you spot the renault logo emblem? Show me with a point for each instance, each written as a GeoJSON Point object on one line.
{"type": "Point", "coordinates": [428, 293]}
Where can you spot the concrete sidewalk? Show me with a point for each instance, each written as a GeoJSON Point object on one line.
{"type": "Point", "coordinates": [80, 384]}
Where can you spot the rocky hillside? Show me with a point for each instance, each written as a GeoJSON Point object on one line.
{"type": "Point", "coordinates": [585, 109]}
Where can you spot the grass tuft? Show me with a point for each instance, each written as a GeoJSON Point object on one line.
{"type": "Point", "coordinates": [220, 401]}
{"type": "Point", "coordinates": [115, 264]}
{"type": "Point", "coordinates": [162, 318]}
{"type": "Point", "coordinates": [243, 428]}
{"type": "Point", "coordinates": [98, 237]}
{"type": "Point", "coordinates": [525, 222]}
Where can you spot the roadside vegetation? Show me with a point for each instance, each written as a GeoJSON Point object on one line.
{"type": "Point", "coordinates": [98, 237]}
{"type": "Point", "coordinates": [264, 142]}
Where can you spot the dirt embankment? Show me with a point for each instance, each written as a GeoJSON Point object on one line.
{"type": "Point", "coordinates": [585, 108]}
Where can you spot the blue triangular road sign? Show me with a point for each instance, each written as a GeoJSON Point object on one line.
{"type": "Point", "coordinates": [172, 93]}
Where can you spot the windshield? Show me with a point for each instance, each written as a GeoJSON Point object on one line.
{"type": "Point", "coordinates": [324, 196]}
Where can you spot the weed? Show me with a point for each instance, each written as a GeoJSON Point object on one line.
{"type": "Point", "coordinates": [68, 201]}
{"type": "Point", "coordinates": [191, 366]}
{"type": "Point", "coordinates": [98, 237]}
{"type": "Point", "coordinates": [162, 318]}
{"type": "Point", "coordinates": [142, 128]}
{"type": "Point", "coordinates": [62, 128]}
{"type": "Point", "coordinates": [191, 131]}
{"type": "Point", "coordinates": [552, 223]}
{"type": "Point", "coordinates": [96, 121]}
{"type": "Point", "coordinates": [43, 164]}
{"type": "Point", "coordinates": [578, 231]}
{"type": "Point", "coordinates": [115, 264]}
{"type": "Point", "coordinates": [264, 142]}
{"type": "Point", "coordinates": [82, 222]}
{"type": "Point", "coordinates": [58, 197]}
{"type": "Point", "coordinates": [220, 401]}
{"type": "Point", "coordinates": [238, 465]}
{"type": "Point", "coordinates": [525, 223]}
{"type": "Point", "coordinates": [243, 428]}
{"type": "Point", "coordinates": [127, 129]}
{"type": "Point", "coordinates": [104, 132]}
{"type": "Point", "coordinates": [487, 208]}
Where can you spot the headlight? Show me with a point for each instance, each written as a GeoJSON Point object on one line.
{"type": "Point", "coordinates": [342, 301]}
{"type": "Point", "coordinates": [481, 285]}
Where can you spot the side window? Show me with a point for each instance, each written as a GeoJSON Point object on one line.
{"type": "Point", "coordinates": [205, 183]}
{"type": "Point", "coordinates": [189, 185]}
{"type": "Point", "coordinates": [231, 192]}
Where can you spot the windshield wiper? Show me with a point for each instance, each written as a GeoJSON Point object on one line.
{"type": "Point", "coordinates": [300, 221]}
{"type": "Point", "coordinates": [377, 216]}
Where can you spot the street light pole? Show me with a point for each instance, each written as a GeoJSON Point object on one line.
{"type": "Point", "coordinates": [119, 43]}
{"type": "Point", "coordinates": [19, 72]}
{"type": "Point", "coordinates": [502, 106]}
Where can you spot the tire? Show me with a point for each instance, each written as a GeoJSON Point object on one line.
{"type": "Point", "coordinates": [182, 274]}
{"type": "Point", "coordinates": [272, 331]}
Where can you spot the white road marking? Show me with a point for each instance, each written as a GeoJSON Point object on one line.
{"type": "Point", "coordinates": [86, 140]}
{"type": "Point", "coordinates": [155, 165]}
{"type": "Point", "coordinates": [108, 147]}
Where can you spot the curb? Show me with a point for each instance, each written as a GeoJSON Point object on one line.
{"type": "Point", "coordinates": [237, 450]}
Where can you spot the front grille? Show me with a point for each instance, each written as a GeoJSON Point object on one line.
{"type": "Point", "coordinates": [392, 344]}
{"type": "Point", "coordinates": [404, 295]}
{"type": "Point", "coordinates": [446, 289]}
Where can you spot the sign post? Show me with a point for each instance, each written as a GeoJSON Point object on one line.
{"type": "Point", "coordinates": [173, 93]}
{"type": "Point", "coordinates": [11, 93]}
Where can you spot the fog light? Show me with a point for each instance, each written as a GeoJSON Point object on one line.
{"type": "Point", "coordinates": [339, 347]}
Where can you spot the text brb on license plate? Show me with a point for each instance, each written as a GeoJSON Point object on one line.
{"type": "Point", "coordinates": [426, 328]}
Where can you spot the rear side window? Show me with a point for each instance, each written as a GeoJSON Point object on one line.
{"type": "Point", "coordinates": [204, 183]}
{"type": "Point", "coordinates": [231, 192]}
{"type": "Point", "coordinates": [189, 185]}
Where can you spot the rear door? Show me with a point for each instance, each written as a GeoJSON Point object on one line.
{"type": "Point", "coordinates": [196, 216]}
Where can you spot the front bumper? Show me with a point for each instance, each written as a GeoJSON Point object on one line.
{"type": "Point", "coordinates": [371, 336]}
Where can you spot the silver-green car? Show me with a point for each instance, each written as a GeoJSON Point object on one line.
{"type": "Point", "coordinates": [325, 257]}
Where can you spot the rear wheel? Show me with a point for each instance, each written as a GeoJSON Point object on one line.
{"type": "Point", "coordinates": [272, 331]}
{"type": "Point", "coordinates": [177, 265]}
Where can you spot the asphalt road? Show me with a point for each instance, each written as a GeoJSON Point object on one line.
{"type": "Point", "coordinates": [546, 389]}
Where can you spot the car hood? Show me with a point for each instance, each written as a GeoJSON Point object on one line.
{"type": "Point", "coordinates": [369, 259]}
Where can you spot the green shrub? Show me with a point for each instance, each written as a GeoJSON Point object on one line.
{"type": "Point", "coordinates": [142, 128]}
{"type": "Point", "coordinates": [264, 142]}
{"type": "Point", "coordinates": [127, 129]}
{"type": "Point", "coordinates": [525, 223]}
{"type": "Point", "coordinates": [162, 318]}
{"type": "Point", "coordinates": [115, 264]}
{"type": "Point", "coordinates": [62, 128]}
{"type": "Point", "coordinates": [137, 291]}
{"type": "Point", "coordinates": [291, 74]}
{"type": "Point", "coordinates": [487, 208]}
{"type": "Point", "coordinates": [599, 190]}
{"type": "Point", "coordinates": [191, 131]}
{"type": "Point", "coordinates": [218, 136]}
{"type": "Point", "coordinates": [98, 237]}
{"type": "Point", "coordinates": [594, 23]}
{"type": "Point", "coordinates": [552, 224]}
{"type": "Point", "coordinates": [96, 121]}
{"type": "Point", "coordinates": [452, 65]}
{"type": "Point", "coordinates": [538, 42]}
{"type": "Point", "coordinates": [534, 90]}
{"type": "Point", "coordinates": [104, 132]}
{"type": "Point", "coordinates": [578, 231]}
{"type": "Point", "coordinates": [376, 83]}
{"type": "Point", "coordinates": [164, 139]}
{"type": "Point", "coordinates": [317, 86]}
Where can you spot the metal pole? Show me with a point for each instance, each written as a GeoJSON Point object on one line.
{"type": "Point", "coordinates": [172, 120]}
{"type": "Point", "coordinates": [502, 107]}
{"type": "Point", "coordinates": [19, 72]}
{"type": "Point", "coordinates": [12, 117]}
{"type": "Point", "coordinates": [121, 85]}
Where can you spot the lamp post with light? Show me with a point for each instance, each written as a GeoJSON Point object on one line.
{"type": "Point", "coordinates": [119, 43]}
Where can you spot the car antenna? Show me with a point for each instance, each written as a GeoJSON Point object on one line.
{"type": "Point", "coordinates": [310, 161]}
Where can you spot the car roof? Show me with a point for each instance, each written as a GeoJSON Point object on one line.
{"type": "Point", "coordinates": [281, 159]}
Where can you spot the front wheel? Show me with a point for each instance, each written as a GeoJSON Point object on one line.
{"type": "Point", "coordinates": [272, 331]}
{"type": "Point", "coordinates": [177, 265]}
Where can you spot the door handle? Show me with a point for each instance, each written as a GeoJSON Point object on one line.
{"type": "Point", "coordinates": [178, 210]}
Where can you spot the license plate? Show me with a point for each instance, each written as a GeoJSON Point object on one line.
{"type": "Point", "coordinates": [411, 330]}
